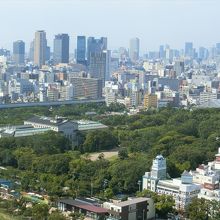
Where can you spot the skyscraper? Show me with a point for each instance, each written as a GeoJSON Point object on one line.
{"type": "Point", "coordinates": [47, 56]}
{"type": "Point", "coordinates": [203, 53]}
{"type": "Point", "coordinates": [40, 45]}
{"type": "Point", "coordinates": [218, 49]}
{"type": "Point", "coordinates": [61, 48]}
{"type": "Point", "coordinates": [179, 67]}
{"type": "Point", "coordinates": [31, 51]}
{"type": "Point", "coordinates": [97, 67]}
{"type": "Point", "coordinates": [161, 52]}
{"type": "Point", "coordinates": [108, 65]}
{"type": "Point", "coordinates": [95, 46]}
{"type": "Point", "coordinates": [81, 50]}
{"type": "Point", "coordinates": [18, 52]}
{"type": "Point", "coordinates": [134, 49]}
{"type": "Point", "coordinates": [189, 49]}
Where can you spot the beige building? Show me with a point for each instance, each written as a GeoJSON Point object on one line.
{"type": "Point", "coordinates": [86, 87]}
{"type": "Point", "coordinates": [40, 45]}
{"type": "Point", "coordinates": [132, 209]}
{"type": "Point", "coordinates": [150, 101]}
{"type": "Point", "coordinates": [52, 94]}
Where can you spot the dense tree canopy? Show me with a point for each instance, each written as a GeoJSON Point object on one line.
{"type": "Point", "coordinates": [47, 162]}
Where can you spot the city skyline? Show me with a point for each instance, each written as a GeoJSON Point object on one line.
{"type": "Point", "coordinates": [153, 22]}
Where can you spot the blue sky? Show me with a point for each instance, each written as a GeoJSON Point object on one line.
{"type": "Point", "coordinates": [155, 22]}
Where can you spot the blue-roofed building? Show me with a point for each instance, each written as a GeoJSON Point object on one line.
{"type": "Point", "coordinates": [5, 183]}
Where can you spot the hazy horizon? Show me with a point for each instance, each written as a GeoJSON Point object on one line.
{"type": "Point", "coordinates": [154, 22]}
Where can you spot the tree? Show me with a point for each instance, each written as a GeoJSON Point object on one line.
{"type": "Point", "coordinates": [56, 216]}
{"type": "Point", "coordinates": [99, 140]}
{"type": "Point", "coordinates": [202, 209]}
{"type": "Point", "coordinates": [40, 211]}
{"type": "Point", "coordinates": [163, 203]}
{"type": "Point", "coordinates": [123, 153]}
{"type": "Point", "coordinates": [77, 216]}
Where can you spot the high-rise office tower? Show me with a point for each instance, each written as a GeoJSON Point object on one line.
{"type": "Point", "coordinates": [134, 49]}
{"type": "Point", "coordinates": [161, 52]}
{"type": "Point", "coordinates": [40, 46]}
{"type": "Point", "coordinates": [108, 65]}
{"type": "Point", "coordinates": [47, 57]}
{"type": "Point", "coordinates": [61, 48]}
{"type": "Point", "coordinates": [31, 51]}
{"type": "Point", "coordinates": [97, 67]}
{"type": "Point", "coordinates": [179, 67]}
{"type": "Point", "coordinates": [203, 53]}
{"type": "Point", "coordinates": [18, 52]}
{"type": "Point", "coordinates": [81, 50]}
{"type": "Point", "coordinates": [95, 46]}
{"type": "Point", "coordinates": [189, 49]}
{"type": "Point", "coordinates": [218, 49]}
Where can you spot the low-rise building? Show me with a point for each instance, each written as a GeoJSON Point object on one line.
{"type": "Point", "coordinates": [208, 176]}
{"type": "Point", "coordinates": [86, 125]}
{"type": "Point", "coordinates": [87, 207]}
{"type": "Point", "coordinates": [183, 190]}
{"type": "Point", "coordinates": [57, 124]}
{"type": "Point", "coordinates": [132, 209]}
{"type": "Point", "coordinates": [209, 194]}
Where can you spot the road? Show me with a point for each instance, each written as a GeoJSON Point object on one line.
{"type": "Point", "coordinates": [57, 103]}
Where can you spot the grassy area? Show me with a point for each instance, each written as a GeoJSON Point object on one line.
{"type": "Point", "coordinates": [109, 155]}
{"type": "Point", "coordinates": [6, 216]}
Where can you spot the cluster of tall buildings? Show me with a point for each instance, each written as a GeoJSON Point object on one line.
{"type": "Point", "coordinates": [185, 77]}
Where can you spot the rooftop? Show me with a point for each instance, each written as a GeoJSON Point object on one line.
{"type": "Point", "coordinates": [168, 183]}
{"type": "Point", "coordinates": [210, 104]}
{"type": "Point", "coordinates": [84, 206]}
{"type": "Point", "coordinates": [84, 125]}
{"type": "Point", "coordinates": [131, 201]}
{"type": "Point", "coordinates": [186, 173]}
{"type": "Point", "coordinates": [47, 120]}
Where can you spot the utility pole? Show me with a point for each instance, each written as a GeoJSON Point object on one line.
{"type": "Point", "coordinates": [91, 189]}
{"type": "Point", "coordinates": [139, 184]}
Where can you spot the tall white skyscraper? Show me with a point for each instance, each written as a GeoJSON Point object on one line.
{"type": "Point", "coordinates": [134, 49]}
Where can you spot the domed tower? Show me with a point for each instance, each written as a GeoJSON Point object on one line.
{"type": "Point", "coordinates": [158, 172]}
{"type": "Point", "coordinates": [159, 168]}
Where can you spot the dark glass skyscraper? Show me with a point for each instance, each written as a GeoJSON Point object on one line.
{"type": "Point", "coordinates": [95, 46]}
{"type": "Point", "coordinates": [61, 48]}
{"type": "Point", "coordinates": [81, 50]}
{"type": "Point", "coordinates": [97, 66]}
{"type": "Point", "coordinates": [18, 52]}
